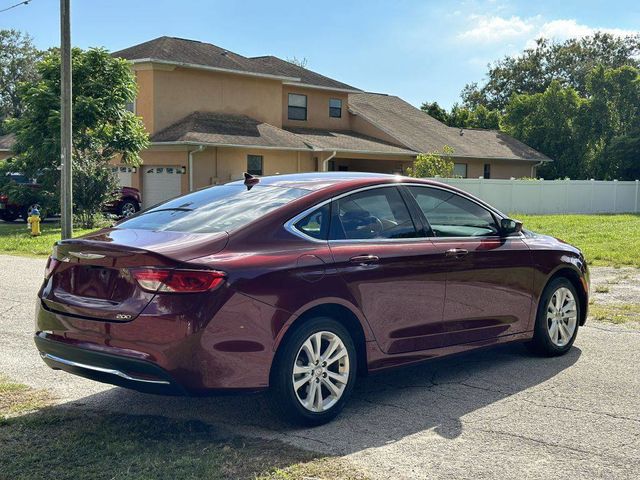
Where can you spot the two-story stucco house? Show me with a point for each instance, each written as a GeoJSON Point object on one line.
{"type": "Point", "coordinates": [213, 114]}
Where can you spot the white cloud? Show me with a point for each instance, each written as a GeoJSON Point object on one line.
{"type": "Point", "coordinates": [490, 29]}
{"type": "Point", "coordinates": [569, 28]}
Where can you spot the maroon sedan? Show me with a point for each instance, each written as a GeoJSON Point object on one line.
{"type": "Point", "coordinates": [298, 283]}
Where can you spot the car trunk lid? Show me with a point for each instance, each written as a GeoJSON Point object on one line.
{"type": "Point", "coordinates": [93, 276]}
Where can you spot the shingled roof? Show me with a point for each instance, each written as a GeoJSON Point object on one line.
{"type": "Point", "coordinates": [194, 53]}
{"type": "Point", "coordinates": [228, 129]}
{"type": "Point", "coordinates": [281, 67]}
{"type": "Point", "coordinates": [423, 133]}
{"type": "Point", "coordinates": [347, 141]}
{"type": "Point", "coordinates": [6, 142]}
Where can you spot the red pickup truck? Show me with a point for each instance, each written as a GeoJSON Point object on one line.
{"type": "Point", "coordinates": [127, 203]}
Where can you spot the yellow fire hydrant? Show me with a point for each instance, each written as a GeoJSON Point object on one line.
{"type": "Point", "coordinates": [34, 221]}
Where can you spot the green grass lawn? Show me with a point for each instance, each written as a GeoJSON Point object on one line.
{"type": "Point", "coordinates": [76, 444]}
{"type": "Point", "coordinates": [612, 240]}
{"type": "Point", "coordinates": [16, 239]}
{"type": "Point", "coordinates": [605, 239]}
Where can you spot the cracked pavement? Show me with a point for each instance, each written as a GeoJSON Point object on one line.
{"type": "Point", "coordinates": [498, 413]}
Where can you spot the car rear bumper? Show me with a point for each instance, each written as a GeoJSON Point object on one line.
{"type": "Point", "coordinates": [193, 350]}
{"type": "Point", "coordinates": [104, 367]}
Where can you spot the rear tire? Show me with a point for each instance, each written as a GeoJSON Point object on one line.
{"type": "Point", "coordinates": [557, 319]}
{"type": "Point", "coordinates": [314, 372]}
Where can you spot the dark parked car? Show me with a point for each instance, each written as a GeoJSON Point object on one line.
{"type": "Point", "coordinates": [298, 283]}
{"type": "Point", "coordinates": [127, 204]}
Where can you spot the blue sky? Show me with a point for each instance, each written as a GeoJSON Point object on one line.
{"type": "Point", "coordinates": [419, 50]}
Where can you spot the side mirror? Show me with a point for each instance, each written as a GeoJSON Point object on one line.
{"type": "Point", "coordinates": [509, 226]}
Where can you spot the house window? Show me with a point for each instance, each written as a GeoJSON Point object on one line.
{"type": "Point", "coordinates": [331, 166]}
{"type": "Point", "coordinates": [297, 107]}
{"type": "Point", "coordinates": [335, 107]}
{"type": "Point", "coordinates": [487, 170]}
{"type": "Point", "coordinates": [254, 164]}
{"type": "Point", "coordinates": [460, 170]}
{"type": "Point", "coordinates": [131, 106]}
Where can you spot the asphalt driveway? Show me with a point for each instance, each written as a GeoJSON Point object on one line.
{"type": "Point", "coordinates": [500, 413]}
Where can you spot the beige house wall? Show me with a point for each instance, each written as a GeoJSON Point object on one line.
{"type": "Point", "coordinates": [167, 94]}
{"type": "Point", "coordinates": [500, 169]}
{"type": "Point", "coordinates": [144, 98]}
{"type": "Point", "coordinates": [232, 162]}
{"type": "Point", "coordinates": [4, 155]}
{"type": "Point", "coordinates": [317, 109]}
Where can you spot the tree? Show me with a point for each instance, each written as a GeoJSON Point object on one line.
{"type": "Point", "coordinates": [18, 58]}
{"type": "Point", "coordinates": [436, 111]}
{"type": "Point", "coordinates": [569, 63]}
{"type": "Point", "coordinates": [433, 164]}
{"type": "Point", "coordinates": [551, 122]}
{"type": "Point", "coordinates": [103, 129]}
{"type": "Point", "coordinates": [464, 117]}
{"type": "Point", "coordinates": [621, 158]}
{"type": "Point", "coordinates": [300, 62]}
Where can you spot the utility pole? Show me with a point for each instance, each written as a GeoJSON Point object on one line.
{"type": "Point", "coordinates": [66, 190]}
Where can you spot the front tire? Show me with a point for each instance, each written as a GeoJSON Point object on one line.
{"type": "Point", "coordinates": [557, 319]}
{"type": "Point", "coordinates": [128, 208]}
{"type": "Point", "coordinates": [314, 372]}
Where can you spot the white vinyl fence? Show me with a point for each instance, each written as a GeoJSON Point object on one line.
{"type": "Point", "coordinates": [553, 196]}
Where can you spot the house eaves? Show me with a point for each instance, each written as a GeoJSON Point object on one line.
{"type": "Point", "coordinates": [319, 87]}
{"type": "Point", "coordinates": [214, 69]}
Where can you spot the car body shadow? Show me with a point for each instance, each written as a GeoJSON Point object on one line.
{"type": "Point", "coordinates": [385, 407]}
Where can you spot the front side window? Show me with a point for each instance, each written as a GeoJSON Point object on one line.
{"type": "Point", "coordinates": [254, 164]}
{"type": "Point", "coordinates": [335, 108]}
{"type": "Point", "coordinates": [216, 209]}
{"type": "Point", "coordinates": [378, 213]}
{"type": "Point", "coordinates": [451, 215]}
{"type": "Point", "coordinates": [297, 107]}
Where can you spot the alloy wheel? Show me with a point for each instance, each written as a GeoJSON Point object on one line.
{"type": "Point", "coordinates": [128, 209]}
{"type": "Point", "coordinates": [562, 316]}
{"type": "Point", "coordinates": [321, 371]}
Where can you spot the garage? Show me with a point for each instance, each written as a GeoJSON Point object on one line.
{"type": "Point", "coordinates": [124, 175]}
{"type": "Point", "coordinates": [160, 183]}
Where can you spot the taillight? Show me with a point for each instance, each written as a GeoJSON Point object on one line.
{"type": "Point", "coordinates": [52, 264]}
{"type": "Point", "coordinates": [163, 280]}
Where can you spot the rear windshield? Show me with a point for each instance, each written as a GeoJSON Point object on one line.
{"type": "Point", "coordinates": [215, 209]}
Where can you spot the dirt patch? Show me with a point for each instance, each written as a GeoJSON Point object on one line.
{"type": "Point", "coordinates": [615, 296]}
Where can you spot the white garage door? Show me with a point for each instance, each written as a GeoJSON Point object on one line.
{"type": "Point", "coordinates": [124, 175]}
{"type": "Point", "coordinates": [160, 183]}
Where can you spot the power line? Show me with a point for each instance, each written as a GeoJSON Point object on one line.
{"type": "Point", "coordinates": [25, 2]}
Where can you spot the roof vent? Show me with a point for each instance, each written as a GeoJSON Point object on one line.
{"type": "Point", "coordinates": [224, 52]}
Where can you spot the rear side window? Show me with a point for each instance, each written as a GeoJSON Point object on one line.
{"type": "Point", "coordinates": [451, 215]}
{"type": "Point", "coordinates": [215, 209]}
{"type": "Point", "coordinates": [372, 214]}
{"type": "Point", "coordinates": [316, 224]}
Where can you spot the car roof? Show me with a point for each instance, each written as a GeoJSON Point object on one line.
{"type": "Point", "coordinates": [315, 181]}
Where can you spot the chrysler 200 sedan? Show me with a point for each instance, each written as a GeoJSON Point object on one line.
{"type": "Point", "coordinates": [296, 284]}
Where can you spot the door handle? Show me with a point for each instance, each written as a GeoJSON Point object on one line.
{"type": "Point", "coordinates": [364, 259]}
{"type": "Point", "coordinates": [456, 252]}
